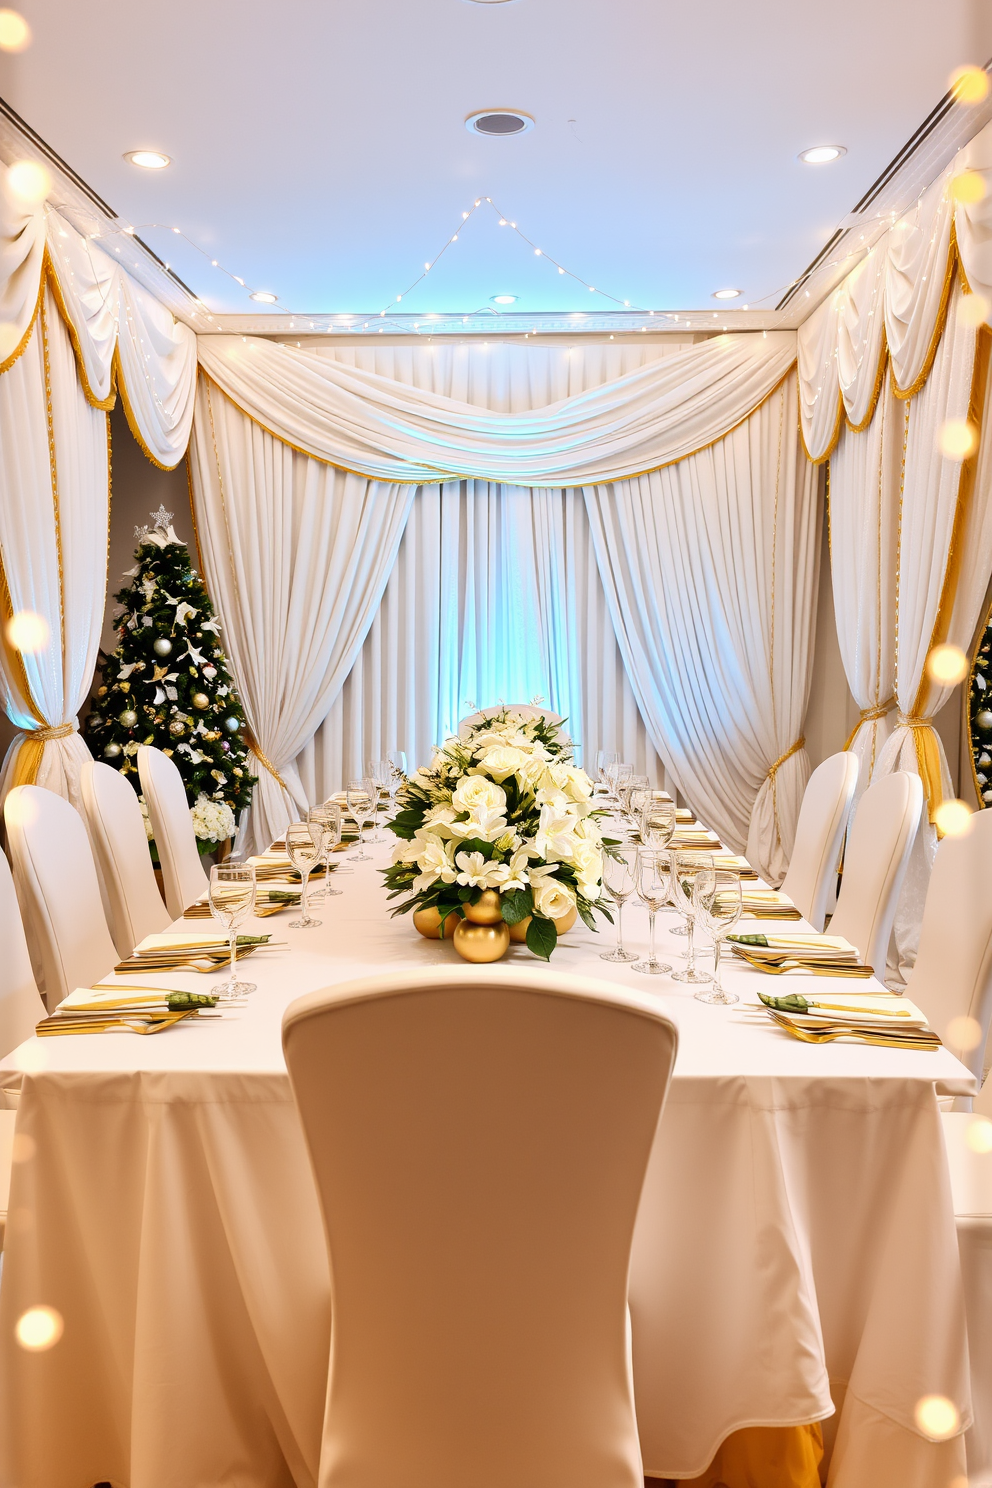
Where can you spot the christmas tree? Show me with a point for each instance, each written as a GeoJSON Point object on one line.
{"type": "Point", "coordinates": [167, 684]}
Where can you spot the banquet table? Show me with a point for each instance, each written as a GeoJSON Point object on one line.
{"type": "Point", "coordinates": [795, 1258]}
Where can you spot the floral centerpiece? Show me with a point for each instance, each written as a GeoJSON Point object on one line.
{"type": "Point", "coordinates": [500, 829]}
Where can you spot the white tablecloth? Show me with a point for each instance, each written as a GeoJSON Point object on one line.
{"type": "Point", "coordinates": [795, 1252]}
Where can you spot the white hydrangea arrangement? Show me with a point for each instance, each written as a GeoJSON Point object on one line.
{"type": "Point", "coordinates": [503, 808]}
{"type": "Point", "coordinates": [213, 821]}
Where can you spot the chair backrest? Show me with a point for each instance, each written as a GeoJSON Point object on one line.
{"type": "Point", "coordinates": [58, 890]}
{"type": "Point", "coordinates": [165, 796]}
{"type": "Point", "coordinates": [479, 1137]}
{"type": "Point", "coordinates": [525, 710]}
{"type": "Point", "coordinates": [120, 848]}
{"type": "Point", "coordinates": [878, 848]}
{"type": "Point", "coordinates": [952, 977]}
{"type": "Point", "coordinates": [20, 1005]}
{"type": "Point", "coordinates": [819, 834]}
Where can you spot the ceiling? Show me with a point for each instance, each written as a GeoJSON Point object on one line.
{"type": "Point", "coordinates": [319, 146]}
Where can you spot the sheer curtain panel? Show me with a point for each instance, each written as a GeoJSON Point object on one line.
{"type": "Point", "coordinates": [710, 569]}
{"type": "Point", "coordinates": [296, 555]}
{"type": "Point", "coordinates": [54, 517]}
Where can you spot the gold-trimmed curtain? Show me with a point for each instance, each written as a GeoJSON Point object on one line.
{"type": "Point", "coordinates": [54, 522]}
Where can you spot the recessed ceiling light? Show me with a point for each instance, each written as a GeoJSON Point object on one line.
{"type": "Point", "coordinates": [499, 122]}
{"type": "Point", "coordinates": [503, 299]}
{"type": "Point", "coordinates": [148, 159]}
{"type": "Point", "coordinates": [727, 294]}
{"type": "Point", "coordinates": [264, 297]}
{"type": "Point", "coordinates": [822, 154]}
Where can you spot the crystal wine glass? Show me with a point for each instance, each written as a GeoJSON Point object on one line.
{"type": "Point", "coordinates": [358, 794]}
{"type": "Point", "coordinates": [377, 771]}
{"type": "Point", "coordinates": [685, 866]}
{"type": "Point", "coordinates": [618, 881]}
{"type": "Point", "coordinates": [328, 818]}
{"type": "Point", "coordinates": [398, 770]}
{"type": "Point", "coordinates": [304, 846]}
{"type": "Point", "coordinates": [609, 764]}
{"type": "Point", "coordinates": [652, 872]}
{"type": "Point", "coordinates": [716, 895]}
{"type": "Point", "coordinates": [232, 899]}
{"type": "Point", "coordinates": [657, 823]}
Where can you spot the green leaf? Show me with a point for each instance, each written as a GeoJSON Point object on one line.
{"type": "Point", "coordinates": [585, 915]}
{"type": "Point", "coordinates": [465, 894]}
{"type": "Point", "coordinates": [476, 844]}
{"type": "Point", "coordinates": [453, 910]}
{"type": "Point", "coordinates": [517, 905]}
{"type": "Point", "coordinates": [542, 937]}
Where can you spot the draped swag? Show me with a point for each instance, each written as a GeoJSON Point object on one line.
{"type": "Point", "coordinates": [495, 586]}
{"type": "Point", "coordinates": [73, 325]}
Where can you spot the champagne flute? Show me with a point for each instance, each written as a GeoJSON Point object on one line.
{"type": "Point", "coordinates": [328, 818]}
{"type": "Point", "coordinates": [232, 899]}
{"type": "Point", "coordinates": [358, 794]}
{"type": "Point", "coordinates": [716, 895]}
{"type": "Point", "coordinates": [618, 881]}
{"type": "Point", "coordinates": [653, 873]}
{"type": "Point", "coordinates": [685, 866]}
{"type": "Point", "coordinates": [303, 848]}
{"type": "Point", "coordinates": [377, 772]}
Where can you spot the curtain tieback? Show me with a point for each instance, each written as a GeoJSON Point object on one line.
{"type": "Point", "coordinates": [927, 757]}
{"type": "Point", "coordinates": [870, 715]}
{"type": "Point", "coordinates": [773, 772]}
{"type": "Point", "coordinates": [255, 748]}
{"type": "Point", "coordinates": [46, 735]}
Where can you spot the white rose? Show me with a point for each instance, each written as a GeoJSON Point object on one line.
{"type": "Point", "coordinates": [475, 792]}
{"type": "Point", "coordinates": [504, 761]}
{"type": "Point", "coordinates": [552, 898]}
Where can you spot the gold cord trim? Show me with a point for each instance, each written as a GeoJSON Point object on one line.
{"type": "Point", "coordinates": [876, 390]}
{"type": "Point", "coordinates": [440, 478]}
{"type": "Point", "coordinates": [870, 715]}
{"type": "Point", "coordinates": [772, 775]}
{"type": "Point", "coordinates": [832, 444]}
{"type": "Point", "coordinates": [253, 745]}
{"type": "Point", "coordinates": [46, 735]}
{"type": "Point", "coordinates": [22, 345]}
{"type": "Point", "coordinates": [56, 507]}
{"type": "Point", "coordinates": [192, 512]}
{"type": "Point", "coordinates": [48, 272]}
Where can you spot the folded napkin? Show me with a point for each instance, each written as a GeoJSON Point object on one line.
{"type": "Point", "coordinates": [883, 1011]}
{"type": "Point", "coordinates": [105, 1010]}
{"type": "Point", "coordinates": [734, 863]}
{"type": "Point", "coordinates": [828, 955]}
{"type": "Point", "coordinates": [188, 951]}
{"type": "Point", "coordinates": [272, 899]}
{"type": "Point", "coordinates": [768, 904]}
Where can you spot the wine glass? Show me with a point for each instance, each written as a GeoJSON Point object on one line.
{"type": "Point", "coordinates": [377, 772]}
{"type": "Point", "coordinates": [716, 895]}
{"type": "Point", "coordinates": [397, 760]}
{"type": "Point", "coordinates": [328, 818]}
{"type": "Point", "coordinates": [609, 763]}
{"type": "Point", "coordinates": [637, 793]}
{"type": "Point", "coordinates": [304, 846]}
{"type": "Point", "coordinates": [232, 899]}
{"type": "Point", "coordinates": [358, 794]}
{"type": "Point", "coordinates": [618, 881]}
{"type": "Point", "coordinates": [652, 873]}
{"type": "Point", "coordinates": [657, 823]}
{"type": "Point", "coordinates": [684, 867]}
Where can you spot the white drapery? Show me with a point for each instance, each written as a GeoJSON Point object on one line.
{"type": "Point", "coordinates": [121, 333]}
{"type": "Point", "coordinates": [54, 515]}
{"type": "Point", "coordinates": [710, 573]}
{"type": "Point", "coordinates": [296, 555]}
{"type": "Point", "coordinates": [389, 430]}
{"type": "Point", "coordinates": [495, 594]}
{"type": "Point", "coordinates": [894, 304]}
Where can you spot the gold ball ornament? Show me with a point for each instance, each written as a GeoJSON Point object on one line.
{"type": "Point", "coordinates": [518, 932]}
{"type": "Point", "coordinates": [428, 922]}
{"type": "Point", "coordinates": [481, 943]}
{"type": "Point", "coordinates": [177, 727]}
{"type": "Point", "coordinates": [200, 700]}
{"type": "Point", "coordinates": [487, 909]}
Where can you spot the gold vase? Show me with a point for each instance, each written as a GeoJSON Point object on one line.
{"type": "Point", "coordinates": [487, 910]}
{"type": "Point", "coordinates": [519, 931]}
{"type": "Point", "coordinates": [481, 943]}
{"type": "Point", "coordinates": [428, 922]}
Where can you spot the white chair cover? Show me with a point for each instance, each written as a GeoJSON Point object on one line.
{"type": "Point", "coordinates": [20, 1005]}
{"type": "Point", "coordinates": [952, 978]}
{"type": "Point", "coordinates": [165, 797]}
{"type": "Point", "coordinates": [971, 1186]}
{"type": "Point", "coordinates": [120, 848]}
{"type": "Point", "coordinates": [819, 834]}
{"type": "Point", "coordinates": [20, 1010]}
{"type": "Point", "coordinates": [878, 850]}
{"type": "Point", "coordinates": [526, 710]}
{"type": "Point", "coordinates": [479, 1137]}
{"type": "Point", "coordinates": [58, 890]}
